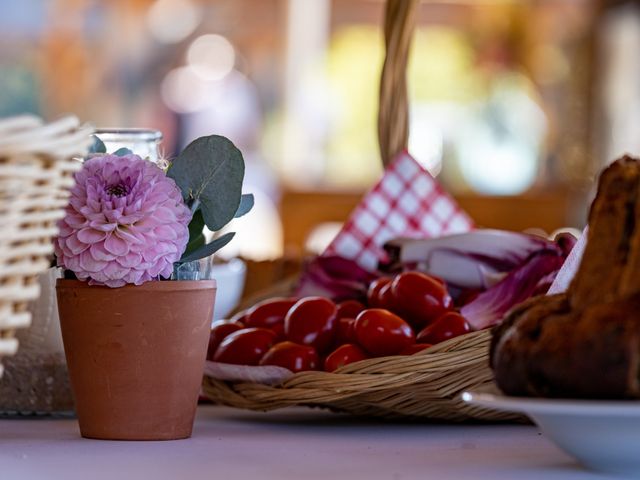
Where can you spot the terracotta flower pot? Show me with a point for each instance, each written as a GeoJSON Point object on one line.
{"type": "Point", "coordinates": [136, 355]}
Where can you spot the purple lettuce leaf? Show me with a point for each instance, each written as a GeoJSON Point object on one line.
{"type": "Point", "coordinates": [334, 277]}
{"type": "Point", "coordinates": [490, 306]}
{"type": "Point", "coordinates": [473, 260]}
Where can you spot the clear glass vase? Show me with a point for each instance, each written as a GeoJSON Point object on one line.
{"type": "Point", "coordinates": [141, 141]}
{"type": "Point", "coordinates": [36, 380]}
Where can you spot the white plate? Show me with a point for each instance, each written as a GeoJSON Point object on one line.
{"type": "Point", "coordinates": [602, 435]}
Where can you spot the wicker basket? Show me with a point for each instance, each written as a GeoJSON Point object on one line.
{"type": "Point", "coordinates": [36, 169]}
{"type": "Point", "coordinates": [425, 385]}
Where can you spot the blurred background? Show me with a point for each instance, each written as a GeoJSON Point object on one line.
{"type": "Point", "coordinates": [515, 105]}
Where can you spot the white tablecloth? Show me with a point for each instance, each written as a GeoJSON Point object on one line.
{"type": "Point", "coordinates": [295, 443]}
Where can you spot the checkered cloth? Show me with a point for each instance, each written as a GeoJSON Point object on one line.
{"type": "Point", "coordinates": [406, 202]}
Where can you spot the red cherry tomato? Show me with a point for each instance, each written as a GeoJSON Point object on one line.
{"type": "Point", "coordinates": [420, 299]}
{"type": "Point", "coordinates": [293, 356]}
{"type": "Point", "coordinates": [245, 347]}
{"type": "Point", "coordinates": [349, 309]}
{"type": "Point", "coordinates": [269, 312]}
{"type": "Point", "coordinates": [344, 331]}
{"type": "Point", "coordinates": [344, 355]}
{"type": "Point", "coordinates": [386, 299]}
{"type": "Point", "coordinates": [467, 296]}
{"type": "Point", "coordinates": [449, 325]}
{"type": "Point", "coordinates": [373, 293]}
{"type": "Point", "coordinates": [437, 279]}
{"type": "Point", "coordinates": [415, 348]}
{"type": "Point", "coordinates": [278, 329]}
{"type": "Point", "coordinates": [220, 330]}
{"type": "Point", "coordinates": [380, 332]}
{"type": "Point", "coordinates": [312, 321]}
{"type": "Point", "coordinates": [240, 317]}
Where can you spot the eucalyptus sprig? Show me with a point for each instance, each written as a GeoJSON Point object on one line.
{"type": "Point", "coordinates": [209, 172]}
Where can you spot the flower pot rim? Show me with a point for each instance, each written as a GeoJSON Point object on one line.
{"type": "Point", "coordinates": [164, 285]}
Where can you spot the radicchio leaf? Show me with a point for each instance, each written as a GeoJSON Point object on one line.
{"type": "Point", "coordinates": [334, 277]}
{"type": "Point", "coordinates": [490, 306]}
{"type": "Point", "coordinates": [473, 260]}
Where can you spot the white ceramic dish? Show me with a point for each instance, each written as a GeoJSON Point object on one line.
{"type": "Point", "coordinates": [602, 435]}
{"type": "Point", "coordinates": [230, 277]}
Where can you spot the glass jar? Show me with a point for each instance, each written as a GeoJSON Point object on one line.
{"type": "Point", "coordinates": [35, 380]}
{"type": "Point", "coordinates": [142, 142]}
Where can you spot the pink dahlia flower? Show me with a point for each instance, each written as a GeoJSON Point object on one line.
{"type": "Point", "coordinates": [125, 223]}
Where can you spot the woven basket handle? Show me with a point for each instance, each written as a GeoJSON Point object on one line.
{"type": "Point", "coordinates": [393, 113]}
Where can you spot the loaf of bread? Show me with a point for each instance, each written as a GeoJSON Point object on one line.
{"type": "Point", "coordinates": [584, 343]}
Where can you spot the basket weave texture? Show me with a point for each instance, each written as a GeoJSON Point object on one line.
{"type": "Point", "coordinates": [425, 385]}
{"type": "Point", "coordinates": [36, 169]}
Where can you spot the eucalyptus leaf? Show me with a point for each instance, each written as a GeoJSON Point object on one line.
{"type": "Point", "coordinates": [246, 204]}
{"type": "Point", "coordinates": [121, 152]}
{"type": "Point", "coordinates": [196, 235]}
{"type": "Point", "coordinates": [196, 225]}
{"type": "Point", "coordinates": [97, 146]}
{"type": "Point", "coordinates": [210, 171]}
{"type": "Point", "coordinates": [194, 244]}
{"type": "Point", "coordinates": [208, 249]}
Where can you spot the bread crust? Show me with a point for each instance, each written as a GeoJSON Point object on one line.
{"type": "Point", "coordinates": [584, 343]}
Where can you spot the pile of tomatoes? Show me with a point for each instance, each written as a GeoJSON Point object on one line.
{"type": "Point", "coordinates": [403, 315]}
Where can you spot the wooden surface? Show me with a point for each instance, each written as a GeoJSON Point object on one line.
{"type": "Point", "coordinates": [294, 444]}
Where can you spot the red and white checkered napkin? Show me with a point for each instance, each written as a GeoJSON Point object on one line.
{"type": "Point", "coordinates": [406, 202]}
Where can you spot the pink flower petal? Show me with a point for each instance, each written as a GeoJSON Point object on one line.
{"type": "Point", "coordinates": [130, 260]}
{"type": "Point", "coordinates": [75, 246]}
{"type": "Point", "coordinates": [165, 215]}
{"type": "Point", "coordinates": [167, 270]}
{"type": "Point", "coordinates": [122, 233]}
{"type": "Point", "coordinates": [117, 246]}
{"type": "Point", "coordinates": [165, 231]}
{"type": "Point", "coordinates": [73, 264]}
{"type": "Point", "coordinates": [90, 264]}
{"type": "Point", "coordinates": [130, 219]}
{"type": "Point", "coordinates": [94, 205]}
{"type": "Point", "coordinates": [146, 224]}
{"type": "Point", "coordinates": [65, 230]}
{"type": "Point", "coordinates": [115, 271]}
{"type": "Point", "coordinates": [157, 268]}
{"type": "Point", "coordinates": [90, 235]}
{"type": "Point", "coordinates": [100, 253]}
{"type": "Point", "coordinates": [110, 283]}
{"type": "Point", "coordinates": [103, 227]}
{"type": "Point", "coordinates": [75, 221]}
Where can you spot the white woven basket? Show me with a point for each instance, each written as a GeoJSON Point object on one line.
{"type": "Point", "coordinates": [36, 167]}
